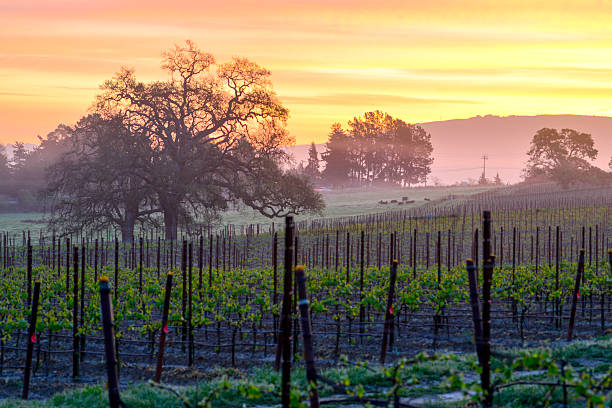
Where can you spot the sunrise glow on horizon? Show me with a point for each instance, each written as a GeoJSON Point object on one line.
{"type": "Point", "coordinates": [330, 60]}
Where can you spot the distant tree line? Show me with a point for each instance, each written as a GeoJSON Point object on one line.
{"type": "Point", "coordinates": [374, 149]}
{"type": "Point", "coordinates": [379, 149]}
{"type": "Point", "coordinates": [24, 174]}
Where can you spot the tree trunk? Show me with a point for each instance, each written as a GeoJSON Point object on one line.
{"type": "Point", "coordinates": [171, 214]}
{"type": "Point", "coordinates": [127, 228]}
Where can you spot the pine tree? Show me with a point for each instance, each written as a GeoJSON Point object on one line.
{"type": "Point", "coordinates": [5, 169]}
{"type": "Point", "coordinates": [312, 168]}
{"type": "Point", "coordinates": [20, 155]}
{"type": "Point", "coordinates": [483, 181]}
{"type": "Point", "coordinates": [497, 180]}
{"type": "Point", "coordinates": [336, 157]}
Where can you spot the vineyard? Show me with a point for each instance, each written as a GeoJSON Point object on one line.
{"type": "Point", "coordinates": [389, 288]}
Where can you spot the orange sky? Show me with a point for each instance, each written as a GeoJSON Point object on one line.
{"type": "Point", "coordinates": [330, 60]}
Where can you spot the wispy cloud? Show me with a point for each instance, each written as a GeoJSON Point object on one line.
{"type": "Point", "coordinates": [19, 94]}
{"type": "Point", "coordinates": [330, 59]}
{"type": "Point", "coordinates": [372, 100]}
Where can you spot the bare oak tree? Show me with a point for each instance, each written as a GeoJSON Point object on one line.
{"type": "Point", "coordinates": [198, 123]}
{"type": "Point", "coordinates": [92, 186]}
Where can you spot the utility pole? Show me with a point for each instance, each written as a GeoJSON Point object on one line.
{"type": "Point", "coordinates": [484, 165]}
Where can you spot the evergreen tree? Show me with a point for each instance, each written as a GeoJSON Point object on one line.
{"type": "Point", "coordinates": [336, 156]}
{"type": "Point", "coordinates": [5, 169]}
{"type": "Point", "coordinates": [312, 168]}
{"type": "Point", "coordinates": [497, 180]}
{"type": "Point", "coordinates": [20, 156]}
{"type": "Point", "coordinates": [483, 181]}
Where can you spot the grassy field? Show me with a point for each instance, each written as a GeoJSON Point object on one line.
{"type": "Point", "coordinates": [426, 383]}
{"type": "Point", "coordinates": [350, 202]}
{"type": "Point", "coordinates": [339, 203]}
{"type": "Point", "coordinates": [14, 223]}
